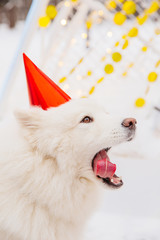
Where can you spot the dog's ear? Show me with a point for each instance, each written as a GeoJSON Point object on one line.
{"type": "Point", "coordinates": [29, 119]}
{"type": "Point", "coordinates": [36, 129]}
{"type": "Point", "coordinates": [31, 126]}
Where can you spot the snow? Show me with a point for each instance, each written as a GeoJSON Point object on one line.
{"type": "Point", "coordinates": [115, 227]}
{"type": "Point", "coordinates": [132, 212]}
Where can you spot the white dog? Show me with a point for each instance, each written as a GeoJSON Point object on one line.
{"type": "Point", "coordinates": [50, 172]}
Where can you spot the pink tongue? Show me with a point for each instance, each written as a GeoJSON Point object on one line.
{"type": "Point", "coordinates": [104, 168]}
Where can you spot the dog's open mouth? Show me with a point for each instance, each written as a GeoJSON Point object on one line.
{"type": "Point", "coordinates": [105, 170]}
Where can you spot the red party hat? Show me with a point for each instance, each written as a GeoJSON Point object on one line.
{"type": "Point", "coordinates": [42, 90]}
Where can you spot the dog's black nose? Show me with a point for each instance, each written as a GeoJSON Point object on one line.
{"type": "Point", "coordinates": [129, 123]}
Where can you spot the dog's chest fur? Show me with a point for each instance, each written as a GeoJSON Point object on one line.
{"type": "Point", "coordinates": [39, 206]}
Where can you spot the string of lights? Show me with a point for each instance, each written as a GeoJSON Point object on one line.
{"type": "Point", "coordinates": [122, 11]}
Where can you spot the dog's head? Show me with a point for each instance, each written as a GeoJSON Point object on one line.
{"type": "Point", "coordinates": [78, 135]}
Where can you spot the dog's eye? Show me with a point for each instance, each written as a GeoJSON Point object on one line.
{"type": "Point", "coordinates": [87, 119]}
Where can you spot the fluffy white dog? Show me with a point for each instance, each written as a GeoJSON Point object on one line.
{"type": "Point", "coordinates": [52, 164]}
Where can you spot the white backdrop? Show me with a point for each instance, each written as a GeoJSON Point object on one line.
{"type": "Point", "coordinates": [132, 212]}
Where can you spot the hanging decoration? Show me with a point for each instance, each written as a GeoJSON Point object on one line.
{"type": "Point", "coordinates": [121, 13]}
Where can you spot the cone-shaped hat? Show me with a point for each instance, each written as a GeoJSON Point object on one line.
{"type": "Point", "coordinates": [42, 90]}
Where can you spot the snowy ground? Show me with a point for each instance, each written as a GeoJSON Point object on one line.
{"type": "Point", "coordinates": [133, 212]}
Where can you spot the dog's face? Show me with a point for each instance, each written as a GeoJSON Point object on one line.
{"type": "Point", "coordinates": [78, 135]}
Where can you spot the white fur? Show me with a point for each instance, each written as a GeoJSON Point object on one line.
{"type": "Point", "coordinates": [47, 186]}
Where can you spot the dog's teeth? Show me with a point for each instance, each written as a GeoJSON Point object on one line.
{"type": "Point", "coordinates": [120, 178]}
{"type": "Point", "coordinates": [112, 180]}
{"type": "Point", "coordinates": [107, 149]}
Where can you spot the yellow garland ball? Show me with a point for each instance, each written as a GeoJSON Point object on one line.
{"type": "Point", "coordinates": [133, 32]}
{"type": "Point", "coordinates": [140, 102]}
{"type": "Point", "coordinates": [116, 44]}
{"type": "Point", "coordinates": [144, 49]}
{"type": "Point", "coordinates": [44, 21]}
{"type": "Point", "coordinates": [88, 24]}
{"type": "Point", "coordinates": [116, 57]}
{"type": "Point", "coordinates": [152, 77]}
{"type": "Point", "coordinates": [131, 65]}
{"type": "Point", "coordinates": [129, 7]}
{"type": "Point", "coordinates": [125, 45]}
{"type": "Point", "coordinates": [124, 74]}
{"type": "Point", "coordinates": [157, 63]}
{"type": "Point", "coordinates": [119, 18]}
{"type": "Point", "coordinates": [142, 20]}
{"type": "Point", "coordinates": [51, 11]}
{"type": "Point", "coordinates": [124, 36]}
{"type": "Point", "coordinates": [62, 79]}
{"type": "Point", "coordinates": [153, 8]}
{"type": "Point", "coordinates": [111, 5]}
{"type": "Point", "coordinates": [89, 73]}
{"type": "Point", "coordinates": [92, 90]}
{"type": "Point", "coordinates": [108, 69]}
{"type": "Point", "coordinates": [100, 80]}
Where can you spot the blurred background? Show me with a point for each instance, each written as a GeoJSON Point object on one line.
{"type": "Point", "coordinates": [109, 51]}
